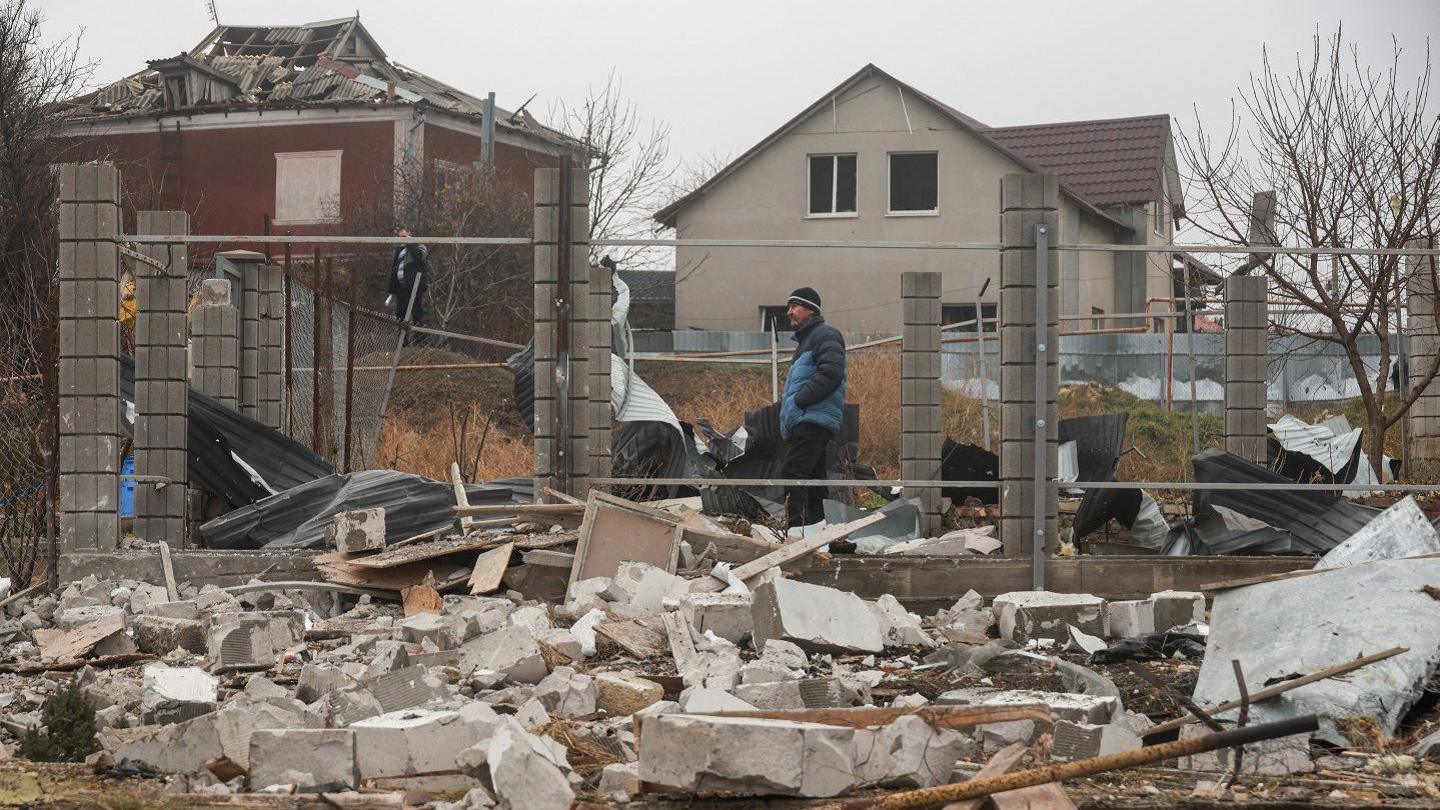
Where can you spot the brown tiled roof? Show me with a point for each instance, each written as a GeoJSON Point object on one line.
{"type": "Point", "coordinates": [1120, 160]}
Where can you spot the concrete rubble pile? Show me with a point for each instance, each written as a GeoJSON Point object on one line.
{"type": "Point", "coordinates": [721, 680]}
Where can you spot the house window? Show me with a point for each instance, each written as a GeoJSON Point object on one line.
{"type": "Point", "coordinates": [1097, 323]}
{"type": "Point", "coordinates": [832, 185]}
{"type": "Point", "coordinates": [775, 317]}
{"type": "Point", "coordinates": [914, 183]}
{"type": "Point", "coordinates": [307, 187]}
{"type": "Point", "coordinates": [965, 314]}
{"type": "Point", "coordinates": [1159, 217]}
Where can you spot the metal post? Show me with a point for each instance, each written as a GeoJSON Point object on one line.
{"type": "Point", "coordinates": [1042, 321]}
{"type": "Point", "coordinates": [487, 131]}
{"type": "Point", "coordinates": [395, 357]}
{"type": "Point", "coordinates": [317, 292]}
{"type": "Point", "coordinates": [289, 402]}
{"type": "Point", "coordinates": [774, 363]}
{"type": "Point", "coordinates": [350, 365]}
{"type": "Point", "coordinates": [1190, 352]}
{"type": "Point", "coordinates": [1169, 364]}
{"type": "Point", "coordinates": [984, 375]}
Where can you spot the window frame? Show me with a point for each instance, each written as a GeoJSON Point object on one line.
{"type": "Point", "coordinates": [834, 185]}
{"type": "Point", "coordinates": [890, 179]}
{"type": "Point", "coordinates": [339, 156]}
{"type": "Point", "coordinates": [1157, 222]}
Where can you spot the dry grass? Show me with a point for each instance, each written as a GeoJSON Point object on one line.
{"type": "Point", "coordinates": [430, 451]}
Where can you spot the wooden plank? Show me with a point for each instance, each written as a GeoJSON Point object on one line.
{"type": "Point", "coordinates": [564, 497]}
{"type": "Point", "coordinates": [168, 570]}
{"type": "Point", "coordinates": [615, 530]}
{"type": "Point", "coordinates": [634, 638]}
{"type": "Point", "coordinates": [491, 510]}
{"type": "Point", "coordinates": [422, 598]}
{"type": "Point", "coordinates": [934, 716]}
{"type": "Point", "coordinates": [682, 642]}
{"type": "Point", "coordinates": [392, 558]}
{"type": "Point", "coordinates": [462, 500]}
{"type": "Point", "coordinates": [77, 642]}
{"type": "Point", "coordinates": [447, 575]}
{"type": "Point", "coordinates": [490, 569]}
{"type": "Point", "coordinates": [1048, 796]}
{"type": "Point", "coordinates": [791, 552]}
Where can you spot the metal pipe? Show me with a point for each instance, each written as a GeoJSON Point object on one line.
{"type": "Point", "coordinates": [1215, 486]}
{"type": "Point", "coordinates": [774, 363]}
{"type": "Point", "coordinates": [777, 243]}
{"type": "Point", "coordinates": [978, 788]}
{"type": "Point", "coordinates": [1041, 474]}
{"type": "Point", "coordinates": [350, 364]}
{"type": "Point", "coordinates": [289, 402]}
{"type": "Point", "coordinates": [984, 377]}
{"type": "Point", "coordinates": [316, 359]}
{"type": "Point", "coordinates": [426, 330]}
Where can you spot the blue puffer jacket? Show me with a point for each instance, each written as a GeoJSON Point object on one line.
{"type": "Point", "coordinates": [815, 387]}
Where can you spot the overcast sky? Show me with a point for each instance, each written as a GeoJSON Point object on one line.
{"type": "Point", "coordinates": [724, 75]}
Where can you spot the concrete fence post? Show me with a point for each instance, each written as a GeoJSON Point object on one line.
{"type": "Point", "coordinates": [244, 266]}
{"type": "Point", "coordinates": [89, 379]}
{"type": "Point", "coordinates": [161, 384]}
{"type": "Point", "coordinates": [561, 378]}
{"type": "Point", "coordinates": [600, 417]}
{"type": "Point", "coordinates": [269, 371]}
{"type": "Point", "coordinates": [1422, 456]}
{"type": "Point", "coordinates": [1028, 201]}
{"type": "Point", "coordinates": [215, 344]}
{"type": "Point", "coordinates": [920, 392]}
{"type": "Point", "coordinates": [1246, 347]}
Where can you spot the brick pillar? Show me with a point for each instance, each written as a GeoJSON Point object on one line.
{"type": "Point", "coordinates": [1245, 367]}
{"type": "Point", "coordinates": [601, 284]}
{"type": "Point", "coordinates": [1422, 456]}
{"type": "Point", "coordinates": [920, 392]}
{"type": "Point", "coordinates": [561, 456]}
{"type": "Point", "coordinates": [215, 344]}
{"type": "Point", "coordinates": [89, 385]}
{"type": "Point", "coordinates": [269, 371]}
{"type": "Point", "coordinates": [1026, 201]}
{"type": "Point", "coordinates": [161, 384]}
{"type": "Point", "coordinates": [246, 265]}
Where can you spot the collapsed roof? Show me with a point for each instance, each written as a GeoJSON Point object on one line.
{"type": "Point", "coordinates": [330, 63]}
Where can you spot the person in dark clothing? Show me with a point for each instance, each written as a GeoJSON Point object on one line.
{"type": "Point", "coordinates": [408, 270]}
{"type": "Point", "coordinates": [812, 406]}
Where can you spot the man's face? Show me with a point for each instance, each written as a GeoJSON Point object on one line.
{"type": "Point", "coordinates": [799, 315]}
{"type": "Point", "coordinates": [403, 233]}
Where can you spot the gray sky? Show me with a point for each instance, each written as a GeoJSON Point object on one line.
{"type": "Point", "coordinates": [724, 75]}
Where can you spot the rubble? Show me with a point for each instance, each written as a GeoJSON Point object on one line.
{"type": "Point", "coordinates": [1027, 615]}
{"type": "Point", "coordinates": [816, 618]}
{"type": "Point", "coordinates": [357, 531]}
{"type": "Point", "coordinates": [312, 759]}
{"type": "Point", "coordinates": [694, 753]}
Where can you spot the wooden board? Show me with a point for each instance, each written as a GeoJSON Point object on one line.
{"type": "Point", "coordinates": [392, 558]}
{"type": "Point", "coordinates": [447, 575]}
{"type": "Point", "coordinates": [634, 638]}
{"type": "Point", "coordinates": [999, 764]}
{"type": "Point", "coordinates": [615, 530]}
{"type": "Point", "coordinates": [490, 569]}
{"type": "Point", "coordinates": [462, 500]}
{"type": "Point", "coordinates": [790, 553]}
{"type": "Point", "coordinates": [682, 642]}
{"type": "Point", "coordinates": [76, 642]}
{"type": "Point", "coordinates": [422, 598]}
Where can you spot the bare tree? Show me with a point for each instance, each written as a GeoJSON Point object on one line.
{"type": "Point", "coordinates": [691, 175]}
{"type": "Point", "coordinates": [630, 169]}
{"type": "Point", "coordinates": [36, 76]}
{"type": "Point", "coordinates": [1352, 152]}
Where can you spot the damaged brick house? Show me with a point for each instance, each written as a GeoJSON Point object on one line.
{"type": "Point", "coordinates": [309, 129]}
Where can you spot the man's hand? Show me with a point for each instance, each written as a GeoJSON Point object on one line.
{"type": "Point", "coordinates": [389, 299]}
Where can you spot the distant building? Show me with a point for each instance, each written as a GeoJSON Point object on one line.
{"type": "Point", "coordinates": [652, 299]}
{"type": "Point", "coordinates": [877, 159]}
{"type": "Point", "coordinates": [305, 126]}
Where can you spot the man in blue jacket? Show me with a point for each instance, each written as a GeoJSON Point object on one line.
{"type": "Point", "coordinates": [813, 404]}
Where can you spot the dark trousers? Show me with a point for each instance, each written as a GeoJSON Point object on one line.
{"type": "Point", "coordinates": [805, 458]}
{"type": "Point", "coordinates": [417, 315]}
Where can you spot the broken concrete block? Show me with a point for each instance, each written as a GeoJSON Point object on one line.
{"type": "Point", "coordinates": [173, 610]}
{"type": "Point", "coordinates": [1079, 708]}
{"type": "Point", "coordinates": [816, 618]}
{"type": "Point", "coordinates": [158, 635]}
{"type": "Point", "coordinates": [562, 641]}
{"type": "Point", "coordinates": [418, 741]}
{"type": "Point", "coordinates": [727, 615]}
{"type": "Point", "coordinates": [567, 693]}
{"type": "Point", "coordinates": [167, 685]}
{"type": "Point", "coordinates": [509, 650]}
{"type": "Point", "coordinates": [318, 680]}
{"type": "Point", "coordinates": [594, 586]}
{"type": "Point", "coordinates": [898, 627]}
{"type": "Point", "coordinates": [644, 587]}
{"type": "Point", "coordinates": [703, 700]}
{"type": "Point", "coordinates": [71, 618]}
{"type": "Point", "coordinates": [534, 618]}
{"type": "Point", "coordinates": [1177, 608]}
{"type": "Point", "coordinates": [747, 756]}
{"type": "Point", "coordinates": [1026, 615]}
{"type": "Point", "coordinates": [620, 777]}
{"type": "Point", "coordinates": [424, 627]}
{"type": "Point", "coordinates": [407, 688]}
{"type": "Point", "coordinates": [360, 530]}
{"type": "Point", "coordinates": [528, 772]}
{"type": "Point", "coordinates": [782, 653]}
{"type": "Point", "coordinates": [1084, 740]}
{"type": "Point", "coordinates": [621, 694]}
{"type": "Point", "coordinates": [310, 758]}
{"type": "Point", "coordinates": [1277, 757]}
{"type": "Point", "coordinates": [763, 672]}
{"type": "Point", "coordinates": [772, 695]}
{"type": "Point", "coordinates": [909, 753]}
{"type": "Point", "coordinates": [183, 747]}
{"type": "Point", "coordinates": [1402, 530]}
{"type": "Point", "coordinates": [1131, 618]}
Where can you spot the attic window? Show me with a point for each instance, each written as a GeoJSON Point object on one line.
{"type": "Point", "coordinates": [832, 185]}
{"type": "Point", "coordinates": [914, 183]}
{"type": "Point", "coordinates": [307, 187]}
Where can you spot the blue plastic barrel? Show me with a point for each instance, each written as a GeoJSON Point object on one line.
{"type": "Point", "coordinates": [127, 487]}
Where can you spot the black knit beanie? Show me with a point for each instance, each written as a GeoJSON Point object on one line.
{"type": "Point", "coordinates": [805, 297]}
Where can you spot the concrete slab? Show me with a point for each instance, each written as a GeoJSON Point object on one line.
{"type": "Point", "coordinates": [748, 756]}
{"type": "Point", "coordinates": [1026, 615]}
{"type": "Point", "coordinates": [816, 618]}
